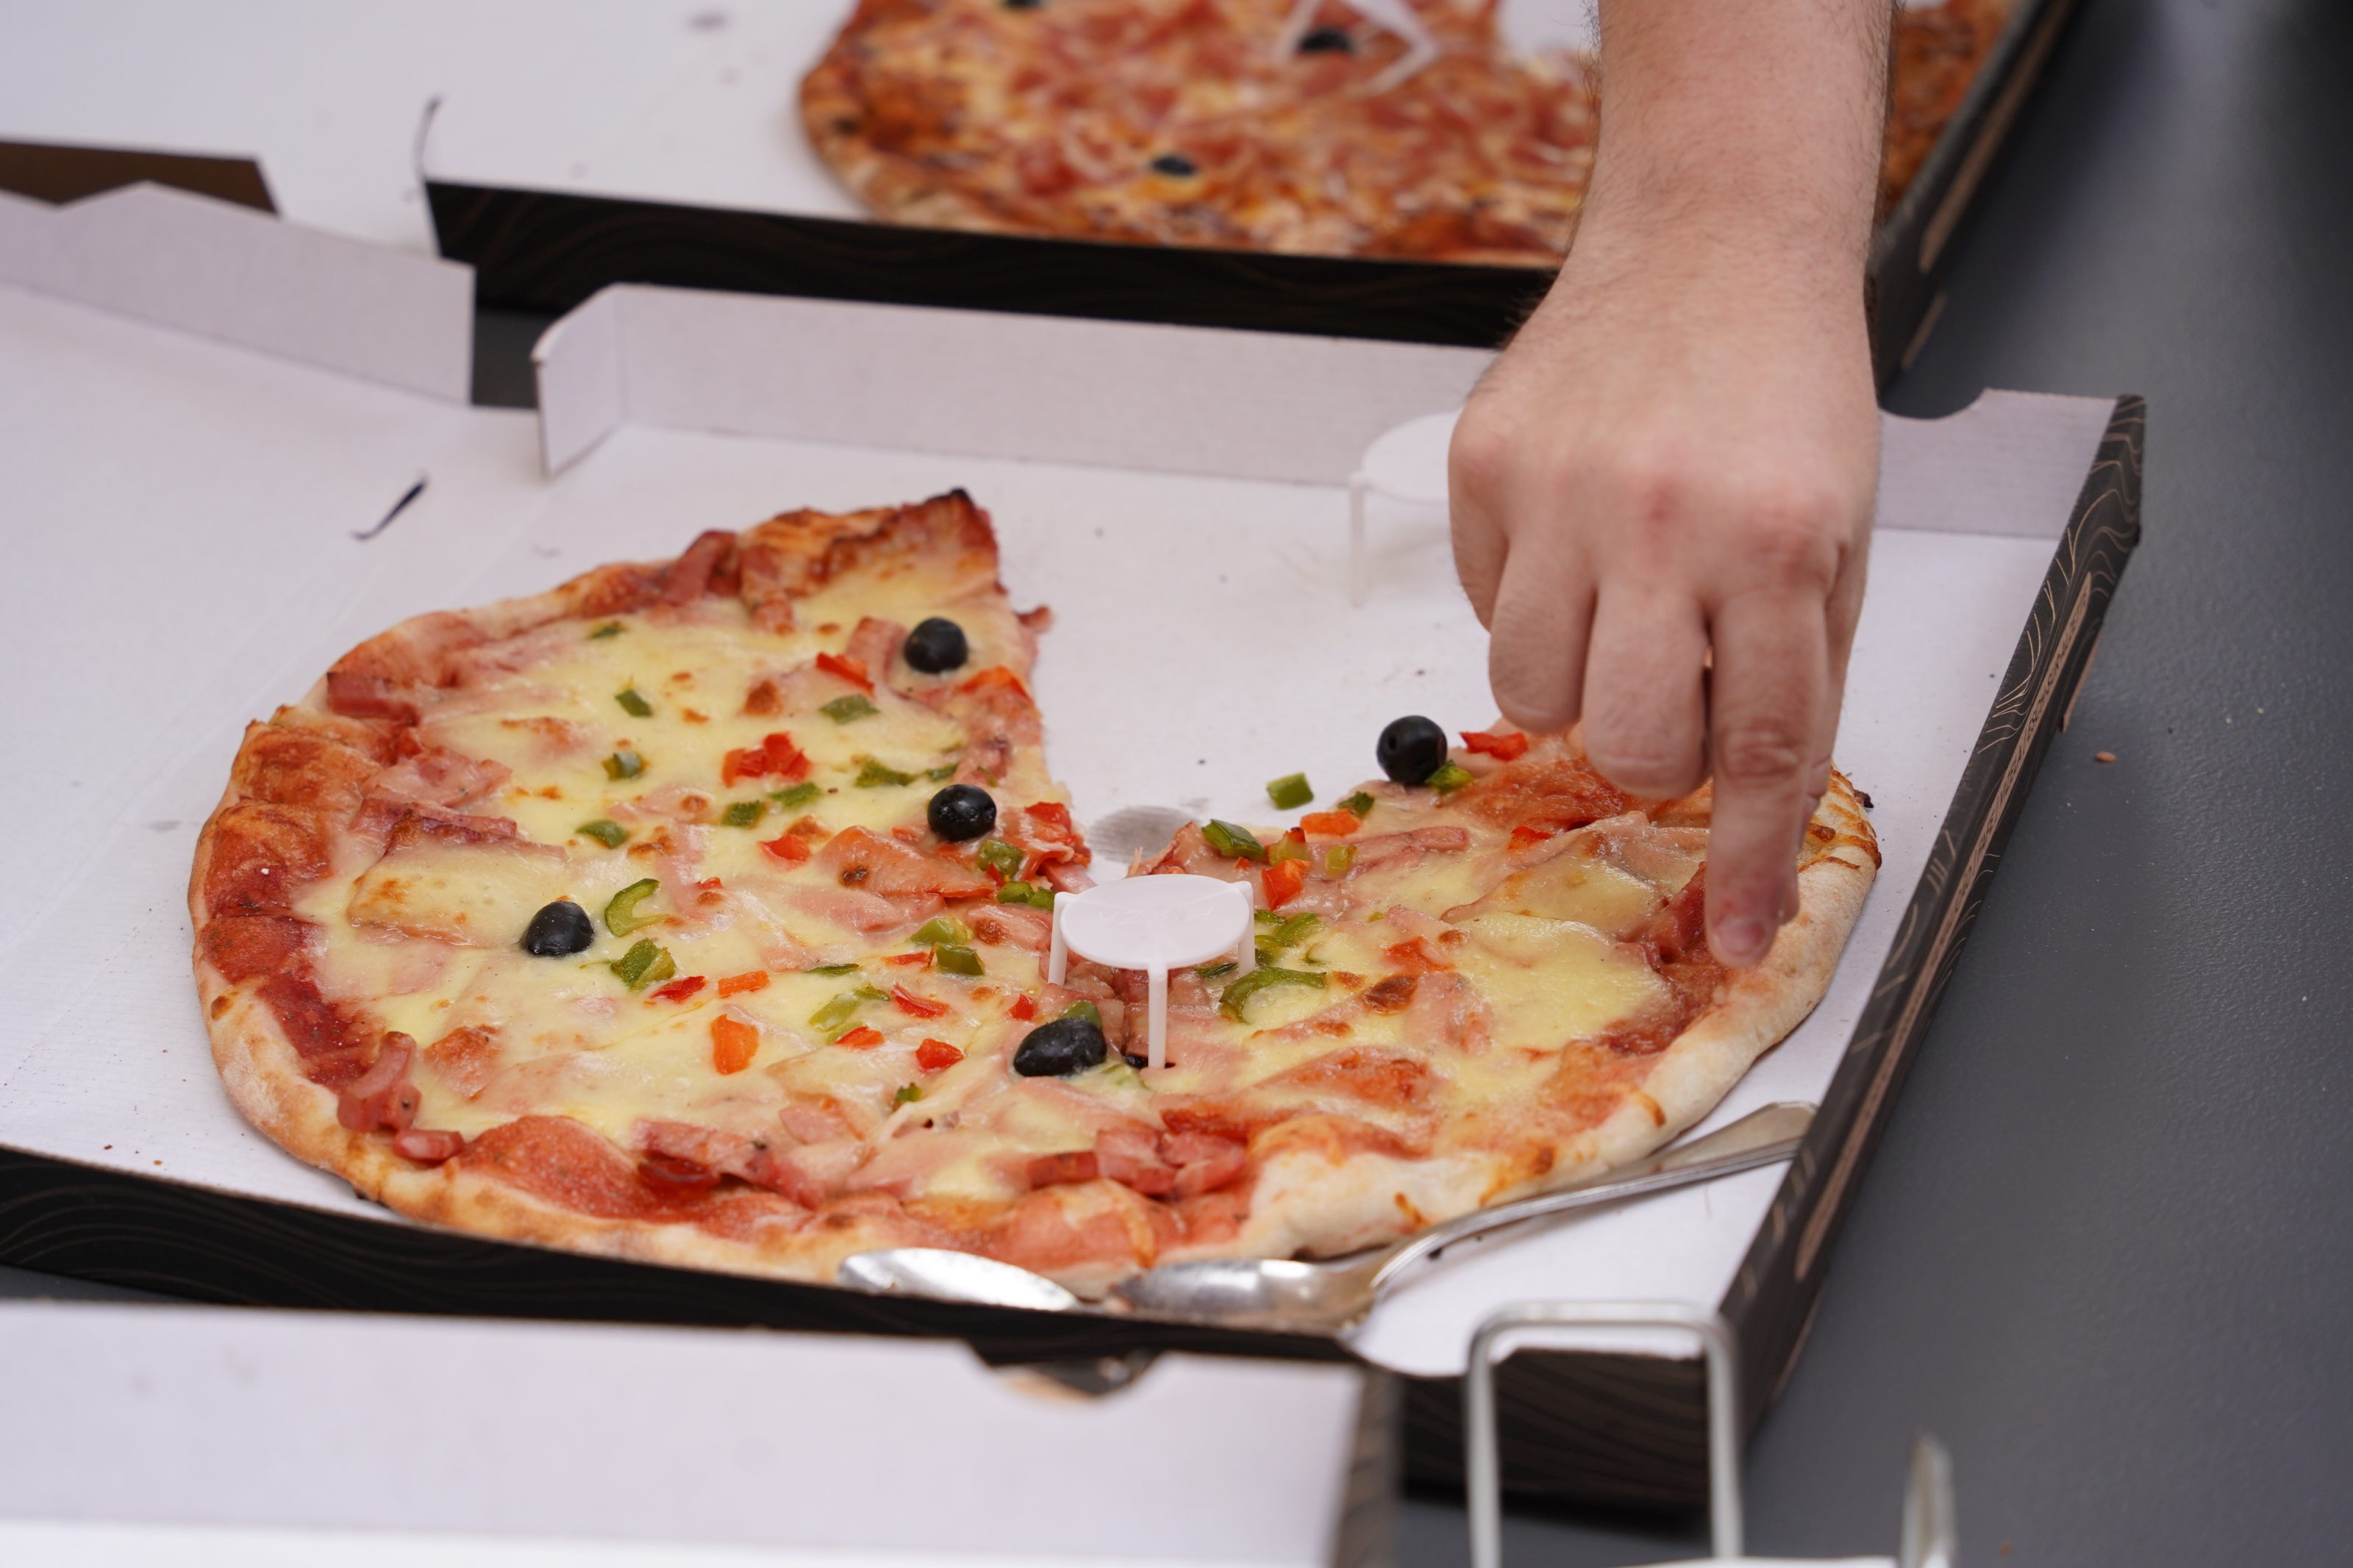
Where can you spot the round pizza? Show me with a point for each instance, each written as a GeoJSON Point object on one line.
{"type": "Point", "coordinates": [1254, 124]}
{"type": "Point", "coordinates": [697, 911]}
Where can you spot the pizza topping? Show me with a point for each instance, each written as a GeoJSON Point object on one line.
{"type": "Point", "coordinates": [1411, 748]}
{"type": "Point", "coordinates": [792, 848]}
{"type": "Point", "coordinates": [961, 812]}
{"type": "Point", "coordinates": [935, 1055]}
{"type": "Point", "coordinates": [1503, 748]}
{"type": "Point", "coordinates": [1283, 881]}
{"type": "Point", "coordinates": [850, 669]}
{"type": "Point", "coordinates": [1061, 1048]}
{"type": "Point", "coordinates": [679, 990]}
{"type": "Point", "coordinates": [558, 931]}
{"type": "Point", "coordinates": [604, 831]}
{"type": "Point", "coordinates": [382, 1096]}
{"type": "Point", "coordinates": [936, 646]}
{"type": "Point", "coordinates": [1027, 893]}
{"type": "Point", "coordinates": [736, 984]}
{"type": "Point", "coordinates": [1450, 777]}
{"type": "Point", "coordinates": [1330, 823]}
{"type": "Point", "coordinates": [950, 960]}
{"type": "Point", "coordinates": [624, 764]}
{"type": "Point", "coordinates": [622, 916]}
{"type": "Point", "coordinates": [774, 757]}
{"type": "Point", "coordinates": [999, 859]}
{"type": "Point", "coordinates": [1290, 790]}
{"type": "Point", "coordinates": [845, 710]}
{"type": "Point", "coordinates": [1233, 842]}
{"type": "Point", "coordinates": [644, 964]}
{"type": "Point", "coordinates": [859, 1038]}
{"type": "Point", "coordinates": [1176, 165]}
{"type": "Point", "coordinates": [633, 703]}
{"type": "Point", "coordinates": [1327, 40]}
{"type": "Point", "coordinates": [427, 1148]}
{"type": "Point", "coordinates": [1234, 1003]}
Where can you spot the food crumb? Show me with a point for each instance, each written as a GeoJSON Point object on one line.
{"type": "Point", "coordinates": [2003, 1549]}
{"type": "Point", "coordinates": [2103, 757]}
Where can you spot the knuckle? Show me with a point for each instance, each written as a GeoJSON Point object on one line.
{"type": "Point", "coordinates": [1482, 448]}
{"type": "Point", "coordinates": [1764, 750]}
{"type": "Point", "coordinates": [1790, 538]}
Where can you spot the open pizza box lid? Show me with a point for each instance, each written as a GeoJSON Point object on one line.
{"type": "Point", "coordinates": [206, 477]}
{"type": "Point", "coordinates": [206, 1435]}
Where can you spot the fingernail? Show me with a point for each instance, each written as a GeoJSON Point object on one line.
{"type": "Point", "coordinates": [1741, 939]}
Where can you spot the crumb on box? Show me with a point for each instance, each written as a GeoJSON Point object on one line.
{"type": "Point", "coordinates": [2103, 757]}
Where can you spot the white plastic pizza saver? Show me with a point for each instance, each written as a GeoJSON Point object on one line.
{"type": "Point", "coordinates": [1407, 462]}
{"type": "Point", "coordinates": [1155, 924]}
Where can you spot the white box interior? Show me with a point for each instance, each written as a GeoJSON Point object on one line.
{"type": "Point", "coordinates": [227, 484]}
{"type": "Point", "coordinates": [145, 1434]}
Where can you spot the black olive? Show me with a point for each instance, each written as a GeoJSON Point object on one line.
{"type": "Point", "coordinates": [1175, 164]}
{"type": "Point", "coordinates": [559, 931]}
{"type": "Point", "coordinates": [936, 646]}
{"type": "Point", "coordinates": [1411, 748]}
{"type": "Point", "coordinates": [960, 811]}
{"type": "Point", "coordinates": [1328, 41]}
{"type": "Point", "coordinates": [1023, 5]}
{"type": "Point", "coordinates": [1060, 1049]}
{"type": "Point", "coordinates": [1137, 1062]}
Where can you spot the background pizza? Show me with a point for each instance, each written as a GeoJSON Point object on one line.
{"type": "Point", "coordinates": [1188, 122]}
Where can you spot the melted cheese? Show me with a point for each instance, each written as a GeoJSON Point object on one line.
{"type": "Point", "coordinates": [427, 938]}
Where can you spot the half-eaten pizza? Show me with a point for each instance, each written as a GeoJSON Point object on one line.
{"type": "Point", "coordinates": [696, 911]}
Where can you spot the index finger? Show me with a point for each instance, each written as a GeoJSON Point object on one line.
{"type": "Point", "coordinates": [1769, 692]}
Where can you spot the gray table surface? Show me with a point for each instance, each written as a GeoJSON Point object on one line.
{"type": "Point", "coordinates": [2099, 1252]}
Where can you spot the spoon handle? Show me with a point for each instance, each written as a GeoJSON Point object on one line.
{"type": "Point", "coordinates": [1763, 1136]}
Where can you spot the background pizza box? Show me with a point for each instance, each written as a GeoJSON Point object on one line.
{"type": "Point", "coordinates": [201, 1435]}
{"type": "Point", "coordinates": [212, 533]}
{"type": "Point", "coordinates": [646, 153]}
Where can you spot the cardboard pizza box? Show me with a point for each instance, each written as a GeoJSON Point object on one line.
{"type": "Point", "coordinates": [202, 1435]}
{"type": "Point", "coordinates": [212, 531]}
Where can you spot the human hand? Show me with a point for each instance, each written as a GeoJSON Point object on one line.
{"type": "Point", "coordinates": [1661, 502]}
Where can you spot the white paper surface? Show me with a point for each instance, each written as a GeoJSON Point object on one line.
{"type": "Point", "coordinates": [1172, 592]}
{"type": "Point", "coordinates": [844, 1449]}
{"type": "Point", "coordinates": [228, 272]}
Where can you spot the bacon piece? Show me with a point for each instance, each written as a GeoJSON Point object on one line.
{"type": "Point", "coordinates": [1131, 1157]}
{"type": "Point", "coordinates": [689, 576]}
{"type": "Point", "coordinates": [1046, 836]}
{"type": "Point", "coordinates": [1390, 848]}
{"type": "Point", "coordinates": [464, 1058]}
{"type": "Point", "coordinates": [427, 1148]}
{"type": "Point", "coordinates": [1205, 1163]}
{"type": "Point", "coordinates": [1447, 1011]}
{"type": "Point", "coordinates": [1012, 925]}
{"type": "Point", "coordinates": [873, 643]}
{"type": "Point", "coordinates": [1678, 931]}
{"type": "Point", "coordinates": [857, 911]}
{"type": "Point", "coordinates": [380, 1096]}
{"type": "Point", "coordinates": [871, 862]}
{"type": "Point", "coordinates": [1052, 1170]}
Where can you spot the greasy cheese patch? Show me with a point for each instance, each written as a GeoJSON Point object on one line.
{"type": "Point", "coordinates": [1551, 981]}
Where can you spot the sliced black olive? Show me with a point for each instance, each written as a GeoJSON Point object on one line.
{"type": "Point", "coordinates": [960, 811]}
{"type": "Point", "coordinates": [1062, 1047]}
{"type": "Point", "coordinates": [1411, 748]}
{"type": "Point", "coordinates": [558, 931]}
{"type": "Point", "coordinates": [1328, 41]}
{"type": "Point", "coordinates": [1023, 5]}
{"type": "Point", "coordinates": [936, 646]}
{"type": "Point", "coordinates": [1175, 164]}
{"type": "Point", "coordinates": [1137, 1062]}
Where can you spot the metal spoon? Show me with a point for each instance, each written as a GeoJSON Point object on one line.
{"type": "Point", "coordinates": [1331, 1295]}
{"type": "Point", "coordinates": [1288, 1294]}
{"type": "Point", "coordinates": [944, 1275]}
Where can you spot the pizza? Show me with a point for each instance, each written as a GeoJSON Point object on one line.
{"type": "Point", "coordinates": [1221, 122]}
{"type": "Point", "coordinates": [696, 911]}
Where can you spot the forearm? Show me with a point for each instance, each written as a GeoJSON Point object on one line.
{"type": "Point", "coordinates": [1753, 125]}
